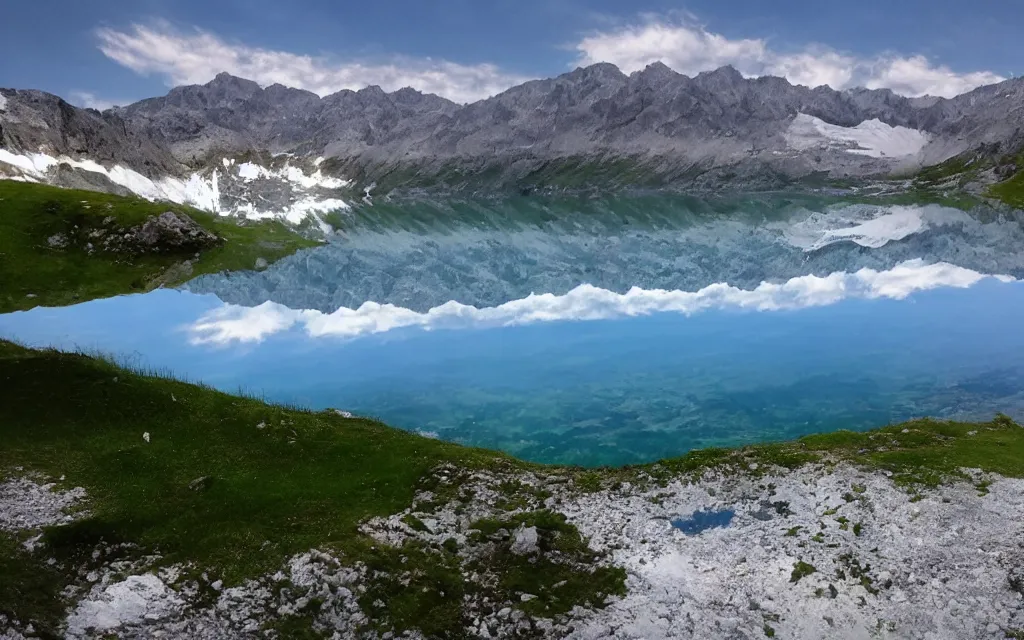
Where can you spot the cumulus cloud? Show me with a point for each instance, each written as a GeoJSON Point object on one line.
{"type": "Point", "coordinates": [196, 56]}
{"type": "Point", "coordinates": [232, 323]}
{"type": "Point", "coordinates": [92, 101]}
{"type": "Point", "coordinates": [916, 76]}
{"type": "Point", "coordinates": [689, 48]}
{"type": "Point", "coordinates": [243, 324]}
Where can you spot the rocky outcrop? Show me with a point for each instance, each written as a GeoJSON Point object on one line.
{"type": "Point", "coordinates": [826, 550]}
{"type": "Point", "coordinates": [171, 231]}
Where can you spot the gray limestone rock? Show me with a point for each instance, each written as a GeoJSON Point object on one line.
{"type": "Point", "coordinates": [524, 541]}
{"type": "Point", "coordinates": [705, 131]}
{"type": "Point", "coordinates": [172, 231]}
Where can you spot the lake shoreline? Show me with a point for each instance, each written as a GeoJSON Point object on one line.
{"type": "Point", "coordinates": [839, 528]}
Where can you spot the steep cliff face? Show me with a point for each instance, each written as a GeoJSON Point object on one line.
{"type": "Point", "coordinates": [39, 122]}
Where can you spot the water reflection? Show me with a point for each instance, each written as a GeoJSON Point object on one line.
{"type": "Point", "coordinates": [608, 391]}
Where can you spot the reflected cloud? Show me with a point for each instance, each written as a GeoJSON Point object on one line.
{"type": "Point", "coordinates": [232, 323]}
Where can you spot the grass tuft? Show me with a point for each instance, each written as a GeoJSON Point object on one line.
{"type": "Point", "coordinates": [801, 570]}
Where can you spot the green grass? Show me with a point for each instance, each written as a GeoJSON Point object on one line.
{"type": "Point", "coordinates": [958, 171]}
{"type": "Point", "coordinates": [33, 273]}
{"type": "Point", "coordinates": [920, 454]}
{"type": "Point", "coordinates": [30, 591]}
{"type": "Point", "coordinates": [1010, 191]}
{"type": "Point", "coordinates": [962, 167]}
{"type": "Point", "coordinates": [414, 588]}
{"type": "Point", "coordinates": [801, 570]}
{"type": "Point", "coordinates": [305, 480]}
{"type": "Point", "coordinates": [946, 182]}
{"type": "Point", "coordinates": [561, 578]}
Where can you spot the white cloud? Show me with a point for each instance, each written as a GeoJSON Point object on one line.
{"type": "Point", "coordinates": [232, 323]}
{"type": "Point", "coordinates": [243, 324]}
{"type": "Point", "coordinates": [909, 75]}
{"type": "Point", "coordinates": [91, 101]}
{"type": "Point", "coordinates": [196, 56]}
{"type": "Point", "coordinates": [689, 48]}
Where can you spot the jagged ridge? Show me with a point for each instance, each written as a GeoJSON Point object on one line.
{"type": "Point", "coordinates": [666, 127]}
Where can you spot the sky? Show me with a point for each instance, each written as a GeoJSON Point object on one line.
{"type": "Point", "coordinates": [106, 52]}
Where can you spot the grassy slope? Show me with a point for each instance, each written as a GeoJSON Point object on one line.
{"type": "Point", "coordinates": [1011, 191]}
{"type": "Point", "coordinates": [304, 479]}
{"type": "Point", "coordinates": [307, 479]}
{"type": "Point", "coordinates": [31, 213]}
{"type": "Point", "coordinates": [920, 454]}
{"type": "Point", "coordinates": [958, 171]}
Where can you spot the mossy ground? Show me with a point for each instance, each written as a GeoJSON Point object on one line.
{"type": "Point", "coordinates": [33, 273]}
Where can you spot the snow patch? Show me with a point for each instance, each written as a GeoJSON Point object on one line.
{"type": "Point", "coordinates": [868, 226]}
{"type": "Point", "coordinates": [871, 138]}
{"type": "Point", "coordinates": [34, 164]}
{"type": "Point", "coordinates": [249, 171]}
{"type": "Point", "coordinates": [198, 190]}
{"type": "Point", "coordinates": [3, 102]}
{"type": "Point", "coordinates": [233, 323]}
{"type": "Point", "coordinates": [316, 179]}
{"type": "Point", "coordinates": [297, 211]}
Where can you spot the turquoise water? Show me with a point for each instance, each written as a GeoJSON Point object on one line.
{"type": "Point", "coordinates": [701, 521]}
{"type": "Point", "coordinates": [601, 374]}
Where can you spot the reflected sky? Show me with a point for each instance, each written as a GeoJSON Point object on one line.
{"type": "Point", "coordinates": [606, 391]}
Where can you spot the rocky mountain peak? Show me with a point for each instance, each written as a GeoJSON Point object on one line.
{"type": "Point", "coordinates": [372, 91]}
{"type": "Point", "coordinates": [657, 71]}
{"type": "Point", "coordinates": [601, 71]}
{"type": "Point", "coordinates": [233, 85]}
{"type": "Point", "coordinates": [721, 77]}
{"type": "Point", "coordinates": [715, 119]}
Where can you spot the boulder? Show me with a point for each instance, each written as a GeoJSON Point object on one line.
{"type": "Point", "coordinates": [524, 541]}
{"type": "Point", "coordinates": [172, 231]}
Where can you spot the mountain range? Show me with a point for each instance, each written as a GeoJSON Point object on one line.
{"type": "Point", "coordinates": [590, 128]}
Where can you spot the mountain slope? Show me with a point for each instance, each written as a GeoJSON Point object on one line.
{"type": "Point", "coordinates": [654, 127]}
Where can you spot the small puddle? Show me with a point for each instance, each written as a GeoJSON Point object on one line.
{"type": "Point", "coordinates": [703, 520]}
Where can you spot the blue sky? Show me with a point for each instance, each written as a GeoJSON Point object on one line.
{"type": "Point", "coordinates": [106, 51]}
